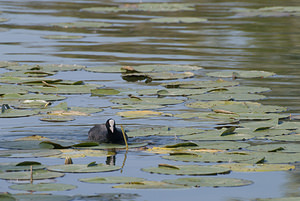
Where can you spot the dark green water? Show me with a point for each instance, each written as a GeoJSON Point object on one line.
{"type": "Point", "coordinates": [228, 40]}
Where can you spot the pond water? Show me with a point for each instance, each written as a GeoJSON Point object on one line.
{"type": "Point", "coordinates": [232, 38]}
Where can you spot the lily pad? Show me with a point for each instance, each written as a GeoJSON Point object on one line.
{"type": "Point", "coordinates": [112, 180]}
{"type": "Point", "coordinates": [241, 74]}
{"type": "Point", "coordinates": [227, 96]}
{"type": "Point", "coordinates": [148, 7]}
{"type": "Point", "coordinates": [104, 91]}
{"type": "Point", "coordinates": [165, 68]}
{"type": "Point", "coordinates": [209, 182]}
{"type": "Point", "coordinates": [82, 24]}
{"type": "Point", "coordinates": [12, 113]}
{"type": "Point", "coordinates": [14, 96]}
{"type": "Point", "coordinates": [23, 166]}
{"type": "Point", "coordinates": [83, 168]}
{"type": "Point", "coordinates": [187, 170]}
{"type": "Point", "coordinates": [34, 73]}
{"type": "Point", "coordinates": [28, 80]}
{"type": "Point", "coordinates": [150, 101]}
{"type": "Point", "coordinates": [105, 69]}
{"type": "Point", "coordinates": [43, 187]}
{"type": "Point", "coordinates": [200, 84]}
{"type": "Point", "coordinates": [13, 89]}
{"type": "Point", "coordinates": [37, 175]}
{"type": "Point", "coordinates": [67, 89]}
{"type": "Point", "coordinates": [172, 92]}
{"type": "Point", "coordinates": [163, 131]}
{"type": "Point", "coordinates": [75, 153]}
{"type": "Point", "coordinates": [139, 114]}
{"type": "Point", "coordinates": [105, 146]}
{"type": "Point", "coordinates": [137, 107]}
{"type": "Point", "coordinates": [178, 20]}
{"type": "Point", "coordinates": [150, 185]}
{"type": "Point", "coordinates": [42, 197]}
{"type": "Point", "coordinates": [245, 167]}
{"type": "Point", "coordinates": [57, 118]}
{"type": "Point", "coordinates": [28, 153]}
{"type": "Point", "coordinates": [157, 76]}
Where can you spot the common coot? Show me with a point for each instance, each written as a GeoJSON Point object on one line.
{"type": "Point", "coordinates": [107, 132]}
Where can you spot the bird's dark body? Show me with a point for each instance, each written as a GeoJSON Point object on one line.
{"type": "Point", "coordinates": [102, 134]}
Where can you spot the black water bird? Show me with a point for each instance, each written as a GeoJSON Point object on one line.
{"type": "Point", "coordinates": [107, 133]}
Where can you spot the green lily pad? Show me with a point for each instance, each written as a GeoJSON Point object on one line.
{"type": "Point", "coordinates": [82, 24]}
{"type": "Point", "coordinates": [178, 20]}
{"type": "Point", "coordinates": [200, 84]}
{"type": "Point", "coordinates": [104, 91]}
{"type": "Point", "coordinates": [150, 101]}
{"type": "Point", "coordinates": [37, 175]}
{"type": "Point", "coordinates": [276, 147]}
{"type": "Point", "coordinates": [28, 80]}
{"type": "Point", "coordinates": [209, 182]}
{"type": "Point", "coordinates": [279, 199]}
{"type": "Point", "coordinates": [9, 167]}
{"type": "Point", "coordinates": [226, 96]}
{"type": "Point", "coordinates": [172, 92]}
{"type": "Point", "coordinates": [27, 74]}
{"type": "Point", "coordinates": [112, 180]}
{"type": "Point", "coordinates": [150, 185]}
{"type": "Point", "coordinates": [163, 131]}
{"type": "Point", "coordinates": [165, 68]}
{"type": "Point", "coordinates": [245, 167]}
{"type": "Point", "coordinates": [42, 197]}
{"type": "Point", "coordinates": [82, 168]}
{"type": "Point", "coordinates": [67, 89]}
{"type": "Point", "coordinates": [4, 64]}
{"type": "Point", "coordinates": [118, 146]}
{"type": "Point", "coordinates": [139, 114]}
{"type": "Point", "coordinates": [44, 97]}
{"type": "Point", "coordinates": [7, 197]}
{"type": "Point", "coordinates": [13, 89]}
{"type": "Point", "coordinates": [81, 153]}
{"type": "Point", "coordinates": [236, 107]}
{"type": "Point", "coordinates": [28, 153]}
{"type": "Point", "coordinates": [157, 76]}
{"type": "Point", "coordinates": [215, 157]}
{"type": "Point", "coordinates": [149, 7]}
{"type": "Point", "coordinates": [62, 37]}
{"type": "Point", "coordinates": [137, 107]}
{"type": "Point", "coordinates": [12, 113]}
{"type": "Point", "coordinates": [187, 170]}
{"type": "Point", "coordinates": [105, 69]}
{"type": "Point", "coordinates": [241, 74]}
{"type": "Point", "coordinates": [43, 187]}
{"type": "Point", "coordinates": [57, 118]}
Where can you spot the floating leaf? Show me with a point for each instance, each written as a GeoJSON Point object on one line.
{"type": "Point", "coordinates": [38, 174]}
{"type": "Point", "coordinates": [226, 96]}
{"type": "Point", "coordinates": [28, 97]}
{"type": "Point", "coordinates": [139, 114]}
{"type": "Point", "coordinates": [32, 137]}
{"type": "Point", "coordinates": [241, 74]}
{"type": "Point", "coordinates": [42, 197]}
{"type": "Point", "coordinates": [28, 153]}
{"type": "Point", "coordinates": [104, 91]}
{"type": "Point", "coordinates": [43, 187]}
{"type": "Point", "coordinates": [105, 69]}
{"type": "Point", "coordinates": [82, 168]}
{"type": "Point", "coordinates": [209, 182]}
{"type": "Point", "coordinates": [67, 89]}
{"type": "Point", "coordinates": [229, 131]}
{"type": "Point", "coordinates": [157, 76]}
{"type": "Point", "coordinates": [12, 113]}
{"type": "Point", "coordinates": [118, 146]}
{"type": "Point", "coordinates": [82, 24]}
{"type": "Point", "coordinates": [22, 166]}
{"type": "Point", "coordinates": [150, 185]}
{"type": "Point", "coordinates": [188, 170]}
{"type": "Point", "coordinates": [244, 167]}
{"type": "Point", "coordinates": [163, 131]}
{"type": "Point", "coordinates": [74, 153]}
{"type": "Point", "coordinates": [200, 84]}
{"type": "Point", "coordinates": [137, 107]}
{"type": "Point", "coordinates": [150, 101]}
{"type": "Point", "coordinates": [178, 20]}
{"type": "Point", "coordinates": [57, 119]}
{"type": "Point", "coordinates": [112, 180]}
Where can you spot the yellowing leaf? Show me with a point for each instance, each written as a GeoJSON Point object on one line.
{"type": "Point", "coordinates": [32, 137]}
{"type": "Point", "coordinates": [139, 113]}
{"type": "Point", "coordinates": [67, 113]}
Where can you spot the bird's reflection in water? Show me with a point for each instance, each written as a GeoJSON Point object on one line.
{"type": "Point", "coordinates": [111, 160]}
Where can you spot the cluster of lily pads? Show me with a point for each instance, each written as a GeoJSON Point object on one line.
{"type": "Point", "coordinates": [238, 143]}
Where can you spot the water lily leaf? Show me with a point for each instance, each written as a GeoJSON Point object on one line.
{"type": "Point", "coordinates": [12, 113]}
{"type": "Point", "coordinates": [178, 20]}
{"type": "Point", "coordinates": [150, 185]}
{"type": "Point", "coordinates": [165, 68]}
{"type": "Point", "coordinates": [43, 187]}
{"type": "Point", "coordinates": [150, 101]}
{"type": "Point", "coordinates": [42, 197]}
{"type": "Point", "coordinates": [32, 137]}
{"type": "Point", "coordinates": [112, 180]}
{"type": "Point", "coordinates": [105, 69]}
{"type": "Point", "coordinates": [7, 197]}
{"type": "Point", "coordinates": [227, 96]}
{"type": "Point", "coordinates": [37, 175]}
{"type": "Point", "coordinates": [82, 168]}
{"type": "Point", "coordinates": [118, 146]}
{"type": "Point", "coordinates": [162, 131]}
{"type": "Point", "coordinates": [67, 89]}
{"type": "Point", "coordinates": [150, 7]}
{"type": "Point", "coordinates": [34, 73]}
{"type": "Point", "coordinates": [4, 64]}
{"type": "Point", "coordinates": [13, 89]}
{"type": "Point", "coordinates": [3, 19]}
{"type": "Point", "coordinates": [200, 84]}
{"type": "Point", "coordinates": [236, 107]}
{"type": "Point", "coordinates": [229, 131]}
{"type": "Point", "coordinates": [104, 91]}
{"type": "Point", "coordinates": [241, 74]}
{"type": "Point", "coordinates": [82, 24]}
{"type": "Point", "coordinates": [139, 113]}
{"type": "Point", "coordinates": [28, 80]}
{"type": "Point", "coordinates": [137, 107]}
{"type": "Point", "coordinates": [22, 166]}
{"type": "Point", "coordinates": [245, 167]}
{"type": "Point", "coordinates": [75, 153]}
{"type": "Point", "coordinates": [209, 182]}
{"type": "Point", "coordinates": [156, 76]}
{"type": "Point", "coordinates": [62, 37]}
{"type": "Point", "coordinates": [27, 97]}
{"type": "Point", "coordinates": [212, 157]}
{"type": "Point", "coordinates": [57, 118]}
{"type": "Point", "coordinates": [188, 170]}
{"type": "Point", "coordinates": [28, 153]}
{"type": "Point", "coordinates": [172, 92]}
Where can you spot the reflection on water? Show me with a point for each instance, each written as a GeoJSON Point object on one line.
{"type": "Point", "coordinates": [226, 41]}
